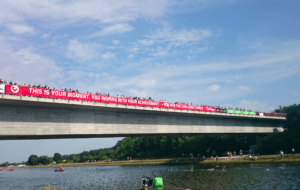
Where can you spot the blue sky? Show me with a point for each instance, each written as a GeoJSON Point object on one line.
{"type": "Point", "coordinates": [228, 53]}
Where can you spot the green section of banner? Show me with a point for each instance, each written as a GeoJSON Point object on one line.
{"type": "Point", "coordinates": [241, 112]}
{"type": "Point", "coordinates": [230, 111]}
{"type": "Point", "coordinates": [252, 113]}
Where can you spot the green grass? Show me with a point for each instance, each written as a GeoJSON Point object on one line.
{"type": "Point", "coordinates": [182, 161]}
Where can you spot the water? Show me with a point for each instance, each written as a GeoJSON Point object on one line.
{"type": "Point", "coordinates": [250, 176]}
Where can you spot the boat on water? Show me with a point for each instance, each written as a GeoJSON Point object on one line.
{"type": "Point", "coordinates": [61, 169]}
{"type": "Point", "coordinates": [12, 169]}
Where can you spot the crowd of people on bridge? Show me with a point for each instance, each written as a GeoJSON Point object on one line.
{"type": "Point", "coordinates": [97, 93]}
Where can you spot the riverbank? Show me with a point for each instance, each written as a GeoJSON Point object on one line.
{"type": "Point", "coordinates": [183, 161]}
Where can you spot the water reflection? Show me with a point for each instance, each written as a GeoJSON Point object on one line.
{"type": "Point", "coordinates": [252, 176]}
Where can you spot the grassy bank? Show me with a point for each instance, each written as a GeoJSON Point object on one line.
{"type": "Point", "coordinates": [181, 161]}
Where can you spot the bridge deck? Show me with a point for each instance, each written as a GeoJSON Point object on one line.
{"type": "Point", "coordinates": [34, 101]}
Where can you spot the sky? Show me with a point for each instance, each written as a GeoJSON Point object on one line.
{"type": "Point", "coordinates": [237, 53]}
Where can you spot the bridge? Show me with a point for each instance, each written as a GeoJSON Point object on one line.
{"type": "Point", "coordinates": [24, 117]}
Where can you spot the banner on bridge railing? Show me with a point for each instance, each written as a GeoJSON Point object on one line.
{"type": "Point", "coordinates": [2, 88]}
{"type": "Point", "coordinates": [241, 112]}
{"type": "Point", "coordinates": [58, 94]}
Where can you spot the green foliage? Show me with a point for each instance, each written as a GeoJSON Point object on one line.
{"type": "Point", "coordinates": [50, 160]}
{"type": "Point", "coordinates": [57, 158]}
{"type": "Point", "coordinates": [42, 160]}
{"type": "Point", "coordinates": [4, 164]}
{"type": "Point", "coordinates": [112, 156]}
{"type": "Point", "coordinates": [33, 160]}
{"type": "Point", "coordinates": [75, 159]}
{"type": "Point", "coordinates": [273, 143]}
{"type": "Point", "coordinates": [101, 156]}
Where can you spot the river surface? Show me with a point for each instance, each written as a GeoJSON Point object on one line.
{"type": "Point", "coordinates": [246, 176]}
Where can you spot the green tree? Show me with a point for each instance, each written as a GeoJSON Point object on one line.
{"type": "Point", "coordinates": [57, 158]}
{"type": "Point", "coordinates": [33, 160]}
{"type": "Point", "coordinates": [112, 156]}
{"type": "Point", "coordinates": [43, 160]}
{"type": "Point", "coordinates": [50, 160]}
{"type": "Point", "coordinates": [4, 164]}
{"type": "Point", "coordinates": [101, 156]}
{"type": "Point", "coordinates": [76, 159]}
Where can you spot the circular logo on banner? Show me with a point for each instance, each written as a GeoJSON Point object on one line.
{"type": "Point", "coordinates": [14, 89]}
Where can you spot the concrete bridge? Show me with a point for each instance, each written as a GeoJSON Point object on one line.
{"type": "Point", "coordinates": [23, 117]}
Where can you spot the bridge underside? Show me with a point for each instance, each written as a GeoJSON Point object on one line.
{"type": "Point", "coordinates": [39, 137]}
{"type": "Point", "coordinates": [25, 121]}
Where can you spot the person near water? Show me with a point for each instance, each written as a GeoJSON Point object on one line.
{"type": "Point", "coordinates": [255, 158]}
{"type": "Point", "coordinates": [234, 153]}
{"type": "Point", "coordinates": [250, 156]}
{"type": "Point", "coordinates": [281, 153]}
{"type": "Point", "coordinates": [293, 150]}
{"type": "Point", "coordinates": [241, 152]}
{"type": "Point", "coordinates": [217, 158]}
{"type": "Point", "coordinates": [250, 151]}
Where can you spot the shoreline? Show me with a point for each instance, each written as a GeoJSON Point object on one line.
{"type": "Point", "coordinates": [181, 161]}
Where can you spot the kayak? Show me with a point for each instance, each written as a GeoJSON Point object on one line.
{"type": "Point", "coordinates": [59, 170]}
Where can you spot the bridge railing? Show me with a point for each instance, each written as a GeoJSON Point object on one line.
{"type": "Point", "coordinates": [68, 95]}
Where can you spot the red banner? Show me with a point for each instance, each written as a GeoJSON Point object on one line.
{"type": "Point", "coordinates": [58, 94]}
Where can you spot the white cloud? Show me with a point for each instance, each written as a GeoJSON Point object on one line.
{"type": "Point", "coordinates": [113, 29]}
{"type": "Point", "coordinates": [46, 35]}
{"type": "Point", "coordinates": [160, 51]}
{"type": "Point", "coordinates": [189, 80]}
{"type": "Point", "coordinates": [245, 88]}
{"type": "Point", "coordinates": [146, 83]}
{"type": "Point", "coordinates": [108, 55]}
{"type": "Point", "coordinates": [82, 51]}
{"type": "Point", "coordinates": [25, 65]}
{"type": "Point", "coordinates": [68, 12]}
{"type": "Point", "coordinates": [130, 55]}
{"type": "Point", "coordinates": [146, 42]}
{"type": "Point", "coordinates": [20, 28]}
{"type": "Point", "coordinates": [133, 50]}
{"type": "Point", "coordinates": [255, 105]}
{"type": "Point", "coordinates": [180, 37]}
{"type": "Point", "coordinates": [197, 50]}
{"type": "Point", "coordinates": [214, 87]}
{"type": "Point", "coordinates": [115, 42]}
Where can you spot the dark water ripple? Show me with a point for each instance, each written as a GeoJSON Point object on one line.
{"type": "Point", "coordinates": [250, 176]}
